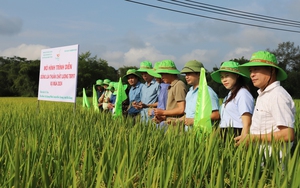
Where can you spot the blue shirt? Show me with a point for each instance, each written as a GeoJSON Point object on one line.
{"type": "Point", "coordinates": [163, 96]}
{"type": "Point", "coordinates": [134, 95]}
{"type": "Point", "coordinates": [113, 98]}
{"type": "Point", "coordinates": [231, 114]}
{"type": "Point", "coordinates": [191, 101]}
{"type": "Point", "coordinates": [149, 95]}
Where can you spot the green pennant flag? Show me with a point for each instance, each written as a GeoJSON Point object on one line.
{"type": "Point", "coordinates": [202, 121]}
{"type": "Point", "coordinates": [95, 100]}
{"type": "Point", "coordinates": [85, 101]}
{"type": "Point", "coordinates": [121, 96]}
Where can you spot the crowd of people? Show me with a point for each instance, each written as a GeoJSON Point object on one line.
{"type": "Point", "coordinates": [158, 96]}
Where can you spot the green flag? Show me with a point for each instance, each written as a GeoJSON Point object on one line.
{"type": "Point", "coordinates": [95, 100]}
{"type": "Point", "coordinates": [121, 96]}
{"type": "Point", "coordinates": [202, 121]}
{"type": "Point", "coordinates": [85, 101]}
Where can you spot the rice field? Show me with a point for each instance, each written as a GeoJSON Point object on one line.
{"type": "Point", "coordinates": [51, 144]}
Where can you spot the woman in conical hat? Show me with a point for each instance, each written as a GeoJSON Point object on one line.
{"type": "Point", "coordinates": [238, 105]}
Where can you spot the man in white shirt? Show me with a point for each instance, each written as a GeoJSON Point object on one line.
{"type": "Point", "coordinates": [274, 112]}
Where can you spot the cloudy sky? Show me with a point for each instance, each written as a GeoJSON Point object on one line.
{"type": "Point", "coordinates": [126, 33]}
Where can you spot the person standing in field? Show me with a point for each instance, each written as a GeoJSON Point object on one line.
{"type": "Point", "coordinates": [104, 99]}
{"type": "Point", "coordinates": [237, 107]}
{"type": "Point", "coordinates": [149, 91]}
{"type": "Point", "coordinates": [192, 71]}
{"type": "Point", "coordinates": [134, 95]}
{"type": "Point", "coordinates": [176, 93]}
{"type": "Point", "coordinates": [99, 91]}
{"type": "Point", "coordinates": [111, 103]}
{"type": "Point", "coordinates": [162, 94]}
{"type": "Point", "coordinates": [274, 111]}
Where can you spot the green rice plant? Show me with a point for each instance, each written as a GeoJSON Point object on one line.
{"type": "Point", "coordinates": [49, 144]}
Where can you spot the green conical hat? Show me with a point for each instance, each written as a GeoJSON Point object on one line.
{"type": "Point", "coordinates": [263, 58]}
{"type": "Point", "coordinates": [145, 66]}
{"type": "Point", "coordinates": [106, 82]}
{"type": "Point", "coordinates": [227, 66]}
{"type": "Point", "coordinates": [152, 72]}
{"type": "Point", "coordinates": [168, 67]}
{"type": "Point", "coordinates": [99, 82]}
{"type": "Point", "coordinates": [111, 85]}
{"type": "Point", "coordinates": [131, 71]}
{"type": "Point", "coordinates": [192, 66]}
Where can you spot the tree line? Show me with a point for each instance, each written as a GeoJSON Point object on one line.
{"type": "Point", "coordinates": [20, 77]}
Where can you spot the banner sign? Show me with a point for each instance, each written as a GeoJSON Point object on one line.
{"type": "Point", "coordinates": [58, 74]}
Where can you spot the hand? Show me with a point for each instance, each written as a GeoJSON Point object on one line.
{"type": "Point", "coordinates": [144, 105]}
{"type": "Point", "coordinates": [139, 105]}
{"type": "Point", "coordinates": [158, 119]}
{"type": "Point", "coordinates": [150, 111]}
{"type": "Point", "coordinates": [171, 121]}
{"type": "Point", "coordinates": [158, 112]}
{"type": "Point", "coordinates": [134, 104]}
{"type": "Point", "coordinates": [189, 121]}
{"type": "Point", "coordinates": [110, 106]}
{"type": "Point", "coordinates": [244, 138]}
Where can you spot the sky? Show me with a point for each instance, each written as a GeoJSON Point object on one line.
{"type": "Point", "coordinates": [125, 33]}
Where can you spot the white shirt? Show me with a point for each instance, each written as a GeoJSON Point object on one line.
{"type": "Point", "coordinates": [231, 113]}
{"type": "Point", "coordinates": [274, 107]}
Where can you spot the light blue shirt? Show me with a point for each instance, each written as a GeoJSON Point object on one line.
{"type": "Point", "coordinates": [149, 95]}
{"type": "Point", "coordinates": [134, 95]}
{"type": "Point", "coordinates": [231, 114]}
{"type": "Point", "coordinates": [191, 101]}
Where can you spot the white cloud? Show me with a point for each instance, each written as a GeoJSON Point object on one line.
{"type": "Point", "coordinates": [113, 58]}
{"type": "Point", "coordinates": [204, 56]}
{"type": "Point", "coordinates": [31, 51]}
{"type": "Point", "coordinates": [238, 53]}
{"type": "Point", "coordinates": [136, 55]}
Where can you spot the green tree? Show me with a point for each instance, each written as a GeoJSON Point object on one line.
{"type": "Point", "coordinates": [288, 57]}
{"type": "Point", "coordinates": [122, 70]}
{"type": "Point", "coordinates": [21, 76]}
{"type": "Point", "coordinates": [91, 69]}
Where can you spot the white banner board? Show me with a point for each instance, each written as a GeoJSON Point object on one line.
{"type": "Point", "coordinates": [58, 74]}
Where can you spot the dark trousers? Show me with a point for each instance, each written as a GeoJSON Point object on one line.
{"type": "Point", "coordinates": [230, 132]}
